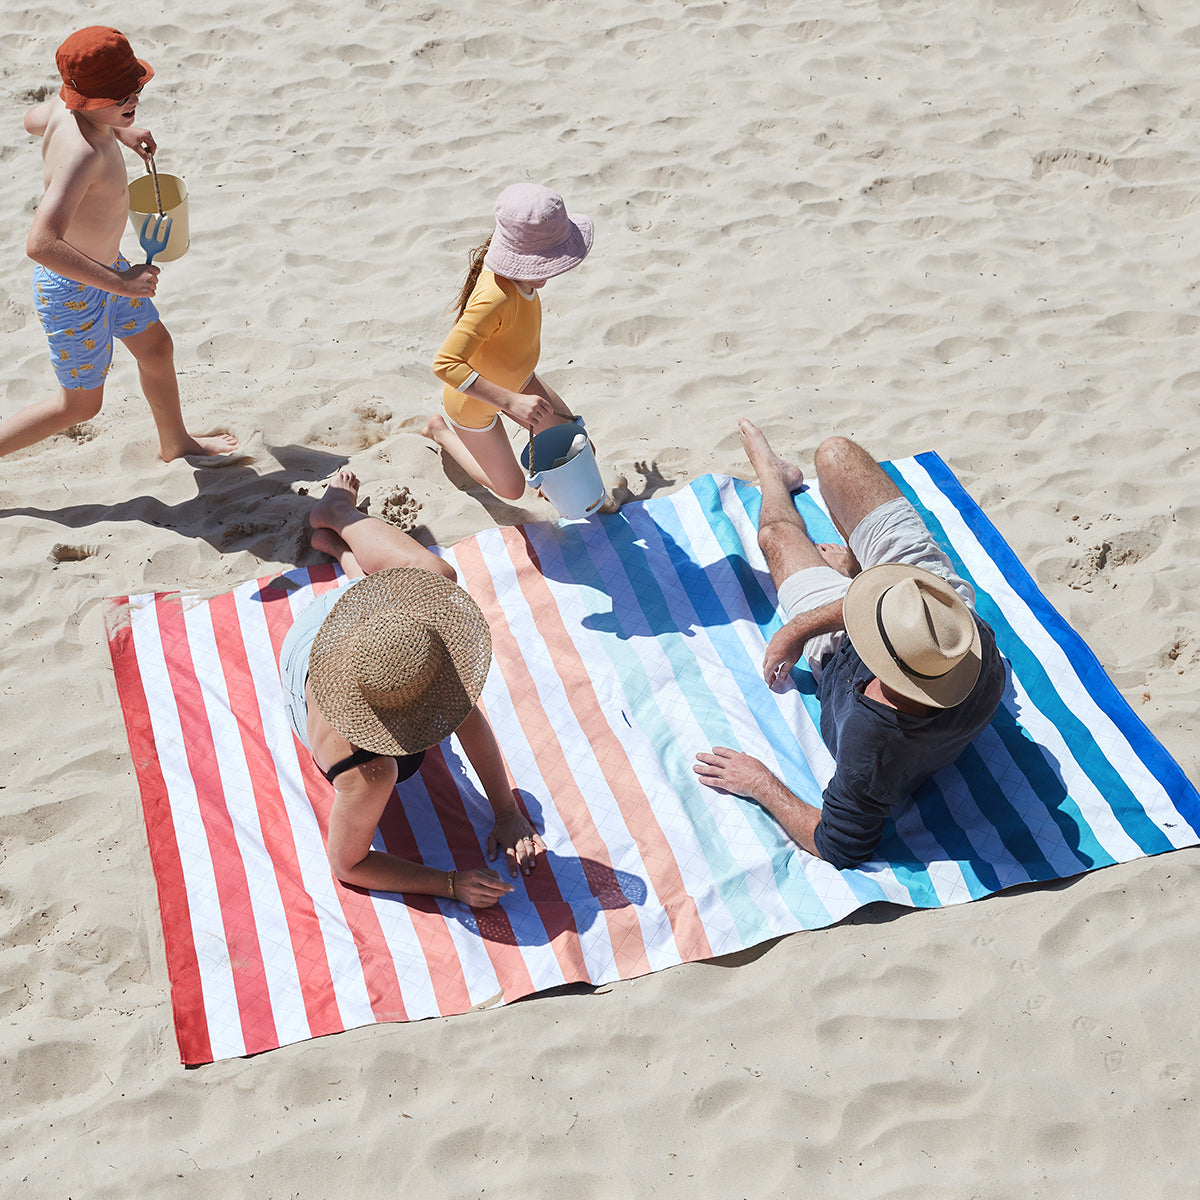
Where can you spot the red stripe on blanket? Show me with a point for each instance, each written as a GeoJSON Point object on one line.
{"type": "Point", "coordinates": [303, 926]}
{"type": "Point", "coordinates": [245, 963]}
{"type": "Point", "coordinates": [374, 954]}
{"type": "Point", "coordinates": [183, 969]}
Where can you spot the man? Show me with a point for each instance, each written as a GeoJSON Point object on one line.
{"type": "Point", "coordinates": [907, 673]}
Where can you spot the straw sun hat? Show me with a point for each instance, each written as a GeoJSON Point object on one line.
{"type": "Point", "coordinates": [912, 629]}
{"type": "Point", "coordinates": [400, 660]}
{"type": "Point", "coordinates": [534, 238]}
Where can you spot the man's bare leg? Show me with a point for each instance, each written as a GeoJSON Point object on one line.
{"type": "Point", "coordinates": [853, 484]}
{"type": "Point", "coordinates": [362, 544]}
{"type": "Point", "coordinates": [782, 533]}
{"type": "Point", "coordinates": [45, 418]}
{"type": "Point", "coordinates": [155, 354]}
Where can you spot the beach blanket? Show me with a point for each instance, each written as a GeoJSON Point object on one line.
{"type": "Point", "coordinates": [623, 644]}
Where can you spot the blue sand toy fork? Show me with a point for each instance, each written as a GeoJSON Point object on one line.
{"type": "Point", "coordinates": [156, 242]}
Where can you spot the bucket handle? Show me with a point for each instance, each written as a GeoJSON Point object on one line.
{"type": "Point", "coordinates": [535, 480]}
{"type": "Point", "coordinates": [154, 175]}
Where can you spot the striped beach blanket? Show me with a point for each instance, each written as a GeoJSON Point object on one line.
{"type": "Point", "coordinates": [623, 645]}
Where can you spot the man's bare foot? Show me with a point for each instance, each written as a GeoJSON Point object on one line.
{"type": "Point", "coordinates": [840, 558]}
{"type": "Point", "coordinates": [202, 447]}
{"type": "Point", "coordinates": [330, 511]}
{"type": "Point", "coordinates": [765, 461]}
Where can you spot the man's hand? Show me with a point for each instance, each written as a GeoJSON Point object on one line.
{"type": "Point", "coordinates": [744, 775]}
{"type": "Point", "coordinates": [140, 141]}
{"type": "Point", "coordinates": [783, 653]}
{"type": "Point", "coordinates": [519, 840]}
{"type": "Point", "coordinates": [840, 558]}
{"type": "Point", "coordinates": [733, 771]}
{"type": "Point", "coordinates": [139, 280]}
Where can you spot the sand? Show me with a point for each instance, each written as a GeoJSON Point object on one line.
{"type": "Point", "coordinates": [969, 227]}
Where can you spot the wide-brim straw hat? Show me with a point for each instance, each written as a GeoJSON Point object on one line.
{"type": "Point", "coordinates": [400, 660]}
{"type": "Point", "coordinates": [534, 238]}
{"type": "Point", "coordinates": [913, 631]}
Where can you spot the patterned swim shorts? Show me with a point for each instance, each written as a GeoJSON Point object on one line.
{"type": "Point", "coordinates": [81, 322]}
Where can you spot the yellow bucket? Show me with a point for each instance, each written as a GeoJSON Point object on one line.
{"type": "Point", "coordinates": [174, 201]}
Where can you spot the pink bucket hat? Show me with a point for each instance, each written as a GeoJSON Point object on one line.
{"type": "Point", "coordinates": [534, 238]}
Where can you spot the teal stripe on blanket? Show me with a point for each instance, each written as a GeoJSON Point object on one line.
{"type": "Point", "coordinates": [1084, 748]}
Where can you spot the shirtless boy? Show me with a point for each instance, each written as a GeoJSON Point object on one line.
{"type": "Point", "coordinates": [87, 294]}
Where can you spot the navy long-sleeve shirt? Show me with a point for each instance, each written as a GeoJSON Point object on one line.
{"type": "Point", "coordinates": [883, 755]}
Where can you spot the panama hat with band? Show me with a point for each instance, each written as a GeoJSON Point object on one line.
{"type": "Point", "coordinates": [400, 660]}
{"type": "Point", "coordinates": [534, 238]}
{"type": "Point", "coordinates": [914, 632]}
{"type": "Point", "coordinates": [99, 69]}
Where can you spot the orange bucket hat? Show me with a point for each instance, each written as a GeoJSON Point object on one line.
{"type": "Point", "coordinates": [98, 68]}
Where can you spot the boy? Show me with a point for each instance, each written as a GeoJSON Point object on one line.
{"type": "Point", "coordinates": [85, 292]}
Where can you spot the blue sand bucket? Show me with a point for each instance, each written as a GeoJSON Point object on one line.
{"type": "Point", "coordinates": [574, 487]}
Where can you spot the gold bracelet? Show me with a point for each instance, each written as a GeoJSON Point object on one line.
{"type": "Point", "coordinates": [450, 883]}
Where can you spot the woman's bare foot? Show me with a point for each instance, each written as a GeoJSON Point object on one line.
{"type": "Point", "coordinates": [205, 446]}
{"type": "Point", "coordinates": [765, 461]}
{"type": "Point", "coordinates": [840, 558]}
{"type": "Point", "coordinates": [435, 428]}
{"type": "Point", "coordinates": [330, 511]}
{"type": "Point", "coordinates": [328, 542]}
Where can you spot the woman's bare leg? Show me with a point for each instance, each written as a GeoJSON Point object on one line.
{"type": "Point", "coordinates": [485, 454]}
{"type": "Point", "coordinates": [362, 544]}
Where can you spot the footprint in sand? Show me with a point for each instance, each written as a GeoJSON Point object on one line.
{"type": "Point", "coordinates": [60, 552]}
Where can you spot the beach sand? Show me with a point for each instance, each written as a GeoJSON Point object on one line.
{"type": "Point", "coordinates": [966, 227]}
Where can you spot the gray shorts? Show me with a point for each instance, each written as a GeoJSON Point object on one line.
{"type": "Point", "coordinates": [891, 533]}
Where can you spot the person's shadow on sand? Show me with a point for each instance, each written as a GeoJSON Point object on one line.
{"type": "Point", "coordinates": [238, 507]}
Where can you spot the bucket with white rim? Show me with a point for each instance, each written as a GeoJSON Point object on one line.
{"type": "Point", "coordinates": [573, 486]}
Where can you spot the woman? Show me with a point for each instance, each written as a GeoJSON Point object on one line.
{"type": "Point", "coordinates": [378, 672]}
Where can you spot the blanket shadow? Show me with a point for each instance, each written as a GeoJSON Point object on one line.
{"type": "Point", "coordinates": [563, 904]}
{"type": "Point", "coordinates": [652, 584]}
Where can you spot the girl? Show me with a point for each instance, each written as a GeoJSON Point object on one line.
{"type": "Point", "coordinates": [487, 363]}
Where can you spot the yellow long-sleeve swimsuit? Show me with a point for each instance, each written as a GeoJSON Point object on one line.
{"type": "Point", "coordinates": [499, 336]}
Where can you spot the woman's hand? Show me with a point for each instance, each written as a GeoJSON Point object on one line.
{"type": "Point", "coordinates": [480, 887]}
{"type": "Point", "coordinates": [529, 410]}
{"type": "Point", "coordinates": [519, 840]}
